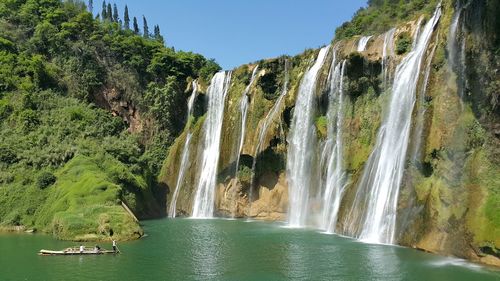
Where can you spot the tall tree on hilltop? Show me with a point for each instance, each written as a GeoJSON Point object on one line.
{"type": "Point", "coordinates": [115, 13]}
{"type": "Point", "coordinates": [136, 26]}
{"type": "Point", "coordinates": [109, 12]}
{"type": "Point", "coordinates": [91, 6]}
{"type": "Point", "coordinates": [104, 13]}
{"type": "Point", "coordinates": [145, 27]}
{"type": "Point", "coordinates": [157, 33]}
{"type": "Point", "coordinates": [126, 18]}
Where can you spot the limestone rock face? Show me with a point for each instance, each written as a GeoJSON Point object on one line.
{"type": "Point", "coordinates": [112, 100]}
{"type": "Point", "coordinates": [272, 203]}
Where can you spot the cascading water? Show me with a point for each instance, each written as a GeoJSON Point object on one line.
{"type": "Point", "coordinates": [456, 46]}
{"type": "Point", "coordinates": [241, 139]}
{"type": "Point", "coordinates": [301, 145]}
{"type": "Point", "coordinates": [185, 153]}
{"type": "Point", "coordinates": [244, 111]}
{"type": "Point", "coordinates": [375, 204]}
{"type": "Point", "coordinates": [363, 42]}
{"type": "Point", "coordinates": [205, 193]}
{"type": "Point", "coordinates": [417, 32]}
{"type": "Point", "coordinates": [421, 109]}
{"type": "Point", "coordinates": [387, 53]}
{"type": "Point", "coordinates": [335, 175]}
{"type": "Point", "coordinates": [268, 120]}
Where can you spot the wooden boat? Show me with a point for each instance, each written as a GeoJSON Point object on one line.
{"type": "Point", "coordinates": [76, 251]}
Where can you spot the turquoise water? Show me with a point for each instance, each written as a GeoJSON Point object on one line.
{"type": "Point", "coordinates": [184, 249]}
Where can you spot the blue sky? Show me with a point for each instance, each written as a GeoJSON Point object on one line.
{"type": "Point", "coordinates": [235, 32]}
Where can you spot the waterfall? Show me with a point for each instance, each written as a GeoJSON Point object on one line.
{"type": "Point", "coordinates": [270, 116]}
{"type": "Point", "coordinates": [375, 205]}
{"type": "Point", "coordinates": [205, 193]}
{"type": "Point", "coordinates": [387, 53]}
{"type": "Point", "coordinates": [335, 175]}
{"type": "Point", "coordinates": [241, 140]}
{"type": "Point", "coordinates": [244, 111]}
{"type": "Point", "coordinates": [421, 109]}
{"type": "Point", "coordinates": [362, 43]}
{"type": "Point", "coordinates": [417, 32]}
{"type": "Point", "coordinates": [301, 145]}
{"type": "Point", "coordinates": [185, 153]}
{"type": "Point", "coordinates": [268, 120]}
{"type": "Point", "coordinates": [456, 47]}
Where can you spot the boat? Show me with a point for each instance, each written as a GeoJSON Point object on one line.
{"type": "Point", "coordinates": [76, 251]}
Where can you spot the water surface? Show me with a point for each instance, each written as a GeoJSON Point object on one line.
{"type": "Point", "coordinates": [186, 249]}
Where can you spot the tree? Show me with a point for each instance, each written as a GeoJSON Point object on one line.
{"type": "Point", "coordinates": [136, 26]}
{"type": "Point", "coordinates": [126, 18]}
{"type": "Point", "coordinates": [157, 34]}
{"type": "Point", "coordinates": [145, 27]}
{"type": "Point", "coordinates": [109, 12]}
{"type": "Point", "coordinates": [115, 13]}
{"type": "Point", "coordinates": [91, 6]}
{"type": "Point", "coordinates": [104, 13]}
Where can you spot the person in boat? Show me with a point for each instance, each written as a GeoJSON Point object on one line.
{"type": "Point", "coordinates": [81, 249]}
{"type": "Point", "coordinates": [114, 246]}
{"type": "Point", "coordinates": [97, 249]}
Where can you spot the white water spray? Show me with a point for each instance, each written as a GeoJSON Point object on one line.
{"type": "Point", "coordinates": [205, 193]}
{"type": "Point", "coordinates": [244, 111]}
{"type": "Point", "coordinates": [301, 145]}
{"type": "Point", "coordinates": [363, 42]}
{"type": "Point", "coordinates": [377, 196]}
{"type": "Point", "coordinates": [185, 153]}
{"type": "Point", "coordinates": [335, 177]}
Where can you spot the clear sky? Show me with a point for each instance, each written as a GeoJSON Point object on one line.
{"type": "Point", "coordinates": [235, 32]}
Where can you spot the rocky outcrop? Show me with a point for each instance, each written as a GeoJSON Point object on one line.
{"type": "Point", "coordinates": [111, 99]}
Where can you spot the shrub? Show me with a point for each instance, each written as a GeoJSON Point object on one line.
{"type": "Point", "coordinates": [322, 126]}
{"type": "Point", "coordinates": [403, 43]}
{"type": "Point", "coordinates": [45, 179]}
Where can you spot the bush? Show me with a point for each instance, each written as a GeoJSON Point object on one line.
{"type": "Point", "coordinates": [45, 179]}
{"type": "Point", "coordinates": [322, 126]}
{"type": "Point", "coordinates": [403, 43]}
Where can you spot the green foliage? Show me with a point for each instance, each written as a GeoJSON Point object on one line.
{"type": "Point", "coordinates": [381, 15]}
{"type": "Point", "coordinates": [245, 174]}
{"type": "Point", "coordinates": [84, 204]}
{"type": "Point", "coordinates": [62, 129]}
{"type": "Point", "coordinates": [45, 179]}
{"type": "Point", "coordinates": [322, 126]}
{"type": "Point", "coordinates": [272, 81]}
{"type": "Point", "coordinates": [363, 76]}
{"type": "Point", "coordinates": [403, 43]}
{"type": "Point", "coordinates": [476, 135]}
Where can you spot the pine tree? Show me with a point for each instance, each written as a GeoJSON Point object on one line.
{"type": "Point", "coordinates": [91, 6]}
{"type": "Point", "coordinates": [126, 18]}
{"type": "Point", "coordinates": [136, 26]}
{"type": "Point", "coordinates": [157, 33]}
{"type": "Point", "coordinates": [109, 12]}
{"type": "Point", "coordinates": [98, 16]}
{"type": "Point", "coordinates": [145, 27]}
{"type": "Point", "coordinates": [104, 13]}
{"type": "Point", "coordinates": [115, 13]}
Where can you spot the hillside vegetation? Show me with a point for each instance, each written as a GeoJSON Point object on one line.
{"type": "Point", "coordinates": [68, 152]}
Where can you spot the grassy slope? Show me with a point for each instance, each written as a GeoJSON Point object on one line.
{"type": "Point", "coordinates": [84, 195]}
